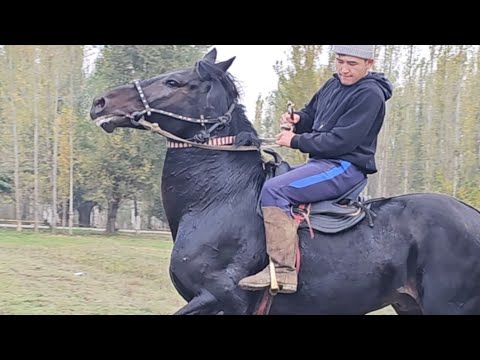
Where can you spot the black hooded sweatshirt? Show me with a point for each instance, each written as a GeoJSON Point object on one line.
{"type": "Point", "coordinates": [342, 122]}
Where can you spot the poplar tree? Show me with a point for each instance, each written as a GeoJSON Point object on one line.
{"type": "Point", "coordinates": [127, 164]}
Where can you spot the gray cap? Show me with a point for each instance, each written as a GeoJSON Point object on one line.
{"type": "Point", "coordinates": [361, 51]}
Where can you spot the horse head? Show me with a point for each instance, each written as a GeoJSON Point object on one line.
{"type": "Point", "coordinates": [192, 103]}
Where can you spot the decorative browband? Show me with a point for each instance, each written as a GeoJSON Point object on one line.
{"type": "Point", "coordinates": [226, 140]}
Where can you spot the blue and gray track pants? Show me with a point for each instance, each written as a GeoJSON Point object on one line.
{"type": "Point", "coordinates": [313, 181]}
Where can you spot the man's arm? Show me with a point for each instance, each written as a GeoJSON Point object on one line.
{"type": "Point", "coordinates": [307, 116]}
{"type": "Point", "coordinates": [349, 131]}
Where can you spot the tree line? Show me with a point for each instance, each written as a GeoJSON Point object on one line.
{"type": "Point", "coordinates": [52, 159]}
{"type": "Point", "coordinates": [430, 141]}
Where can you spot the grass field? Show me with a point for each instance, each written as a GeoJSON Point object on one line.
{"type": "Point", "coordinates": [87, 274]}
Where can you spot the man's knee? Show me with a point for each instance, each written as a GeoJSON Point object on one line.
{"type": "Point", "coordinates": [270, 188]}
{"type": "Point", "coordinates": [270, 195]}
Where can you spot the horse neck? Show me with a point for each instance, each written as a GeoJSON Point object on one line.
{"type": "Point", "coordinates": [200, 177]}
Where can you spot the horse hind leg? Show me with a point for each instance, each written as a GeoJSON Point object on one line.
{"type": "Point", "coordinates": [202, 304]}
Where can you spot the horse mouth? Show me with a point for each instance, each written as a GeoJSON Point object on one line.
{"type": "Point", "coordinates": [107, 122]}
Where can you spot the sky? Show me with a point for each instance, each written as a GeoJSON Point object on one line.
{"type": "Point", "coordinates": [253, 69]}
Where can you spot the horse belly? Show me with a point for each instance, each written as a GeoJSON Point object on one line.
{"type": "Point", "coordinates": [341, 299]}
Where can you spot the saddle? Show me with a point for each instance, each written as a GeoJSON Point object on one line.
{"type": "Point", "coordinates": [328, 216]}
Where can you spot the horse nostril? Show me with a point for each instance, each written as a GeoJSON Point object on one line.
{"type": "Point", "coordinates": [97, 107]}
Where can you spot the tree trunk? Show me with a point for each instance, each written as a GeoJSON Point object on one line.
{"type": "Point", "coordinates": [55, 157]}
{"type": "Point", "coordinates": [457, 124]}
{"type": "Point", "coordinates": [35, 143]}
{"type": "Point", "coordinates": [64, 212]}
{"type": "Point", "coordinates": [70, 207]}
{"type": "Point", "coordinates": [406, 163]}
{"type": "Point", "coordinates": [18, 196]}
{"type": "Point", "coordinates": [84, 211]}
{"type": "Point", "coordinates": [136, 216]}
{"type": "Point", "coordinates": [113, 206]}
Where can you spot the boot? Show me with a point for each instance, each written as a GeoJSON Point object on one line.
{"type": "Point", "coordinates": [281, 236]}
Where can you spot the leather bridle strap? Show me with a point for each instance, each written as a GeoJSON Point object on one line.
{"type": "Point", "coordinates": [203, 136]}
{"type": "Point", "coordinates": [223, 119]}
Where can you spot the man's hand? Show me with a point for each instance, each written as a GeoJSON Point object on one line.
{"type": "Point", "coordinates": [285, 138]}
{"type": "Point", "coordinates": [287, 119]}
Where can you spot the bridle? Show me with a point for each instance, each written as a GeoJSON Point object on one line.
{"type": "Point", "coordinates": [200, 139]}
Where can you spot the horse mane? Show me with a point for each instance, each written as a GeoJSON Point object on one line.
{"type": "Point", "coordinates": [224, 92]}
{"type": "Point", "coordinates": [246, 135]}
{"type": "Point", "coordinates": [241, 125]}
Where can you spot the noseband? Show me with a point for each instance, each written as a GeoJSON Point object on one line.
{"type": "Point", "coordinates": [203, 136]}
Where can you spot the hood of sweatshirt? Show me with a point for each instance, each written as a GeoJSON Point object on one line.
{"type": "Point", "coordinates": [375, 77]}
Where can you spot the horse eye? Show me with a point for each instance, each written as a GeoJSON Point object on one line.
{"type": "Point", "coordinates": [172, 83]}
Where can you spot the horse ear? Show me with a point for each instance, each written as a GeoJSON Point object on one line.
{"type": "Point", "coordinates": [225, 65]}
{"type": "Point", "coordinates": [211, 56]}
{"type": "Point", "coordinates": [202, 69]}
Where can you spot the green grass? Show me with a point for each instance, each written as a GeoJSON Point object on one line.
{"type": "Point", "coordinates": [87, 274]}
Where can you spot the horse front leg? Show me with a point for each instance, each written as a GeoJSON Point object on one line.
{"type": "Point", "coordinates": [202, 304]}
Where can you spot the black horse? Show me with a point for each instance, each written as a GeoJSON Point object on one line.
{"type": "Point", "coordinates": [421, 254]}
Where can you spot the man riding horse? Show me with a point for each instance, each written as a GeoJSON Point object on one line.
{"type": "Point", "coordinates": [338, 128]}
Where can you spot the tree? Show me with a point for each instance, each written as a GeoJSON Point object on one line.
{"type": "Point", "coordinates": [108, 171]}
{"type": "Point", "coordinates": [299, 79]}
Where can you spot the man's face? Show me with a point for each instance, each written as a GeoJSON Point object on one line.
{"type": "Point", "coordinates": [351, 69]}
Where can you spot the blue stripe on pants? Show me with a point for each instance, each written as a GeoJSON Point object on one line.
{"type": "Point", "coordinates": [315, 179]}
{"type": "Point", "coordinates": [311, 182]}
